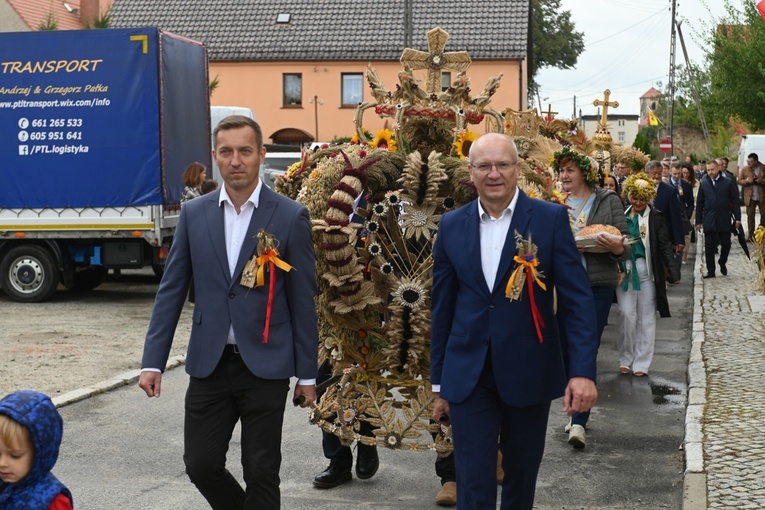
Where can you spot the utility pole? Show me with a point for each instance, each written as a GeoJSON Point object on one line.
{"type": "Point", "coordinates": [408, 25]}
{"type": "Point", "coordinates": [671, 111]}
{"type": "Point", "coordinates": [574, 115]}
{"type": "Point", "coordinates": [694, 86]}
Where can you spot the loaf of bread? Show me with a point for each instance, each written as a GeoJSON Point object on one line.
{"type": "Point", "coordinates": [597, 228]}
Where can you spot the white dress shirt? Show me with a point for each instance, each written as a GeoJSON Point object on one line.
{"type": "Point", "coordinates": [493, 233]}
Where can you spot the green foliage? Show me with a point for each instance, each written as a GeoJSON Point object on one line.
{"type": "Point", "coordinates": [555, 42]}
{"type": "Point", "coordinates": [102, 21]}
{"type": "Point", "coordinates": [214, 84]}
{"type": "Point", "coordinates": [49, 23]}
{"type": "Point", "coordinates": [723, 142]}
{"type": "Point", "coordinates": [645, 140]}
{"type": "Point", "coordinates": [339, 140]}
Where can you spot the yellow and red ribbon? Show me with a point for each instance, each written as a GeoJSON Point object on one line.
{"type": "Point", "coordinates": [528, 264]}
{"type": "Point", "coordinates": [270, 257]}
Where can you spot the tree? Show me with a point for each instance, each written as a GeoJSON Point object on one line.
{"type": "Point", "coordinates": [554, 42]}
{"type": "Point", "coordinates": [49, 23]}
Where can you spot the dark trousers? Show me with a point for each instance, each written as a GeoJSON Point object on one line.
{"type": "Point", "coordinates": [750, 209]}
{"type": "Point", "coordinates": [330, 443]}
{"type": "Point", "coordinates": [213, 407]}
{"type": "Point", "coordinates": [711, 241]}
{"type": "Point", "coordinates": [476, 424]}
{"type": "Point", "coordinates": [604, 298]}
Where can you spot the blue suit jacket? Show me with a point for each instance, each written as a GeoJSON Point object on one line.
{"type": "Point", "coordinates": [667, 201]}
{"type": "Point", "coordinates": [199, 248]}
{"type": "Point", "coordinates": [468, 317]}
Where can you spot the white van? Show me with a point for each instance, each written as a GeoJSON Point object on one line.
{"type": "Point", "coordinates": [218, 113]}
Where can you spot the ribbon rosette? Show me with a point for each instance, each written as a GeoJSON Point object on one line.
{"type": "Point", "coordinates": [526, 272]}
{"type": "Point", "coordinates": [268, 256]}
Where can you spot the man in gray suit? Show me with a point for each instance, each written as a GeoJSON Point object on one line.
{"type": "Point", "coordinates": [248, 337]}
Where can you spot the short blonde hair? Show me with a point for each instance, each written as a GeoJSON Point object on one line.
{"type": "Point", "coordinates": [13, 433]}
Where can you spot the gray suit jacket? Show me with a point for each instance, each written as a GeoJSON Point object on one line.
{"type": "Point", "coordinates": [199, 248]}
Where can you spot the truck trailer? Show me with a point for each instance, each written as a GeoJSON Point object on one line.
{"type": "Point", "coordinates": [97, 128]}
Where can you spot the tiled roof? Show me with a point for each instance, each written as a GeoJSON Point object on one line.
{"type": "Point", "coordinates": [333, 29]}
{"type": "Point", "coordinates": [652, 92]}
{"type": "Point", "coordinates": [35, 12]}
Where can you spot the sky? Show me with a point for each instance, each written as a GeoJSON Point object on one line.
{"type": "Point", "coordinates": [627, 50]}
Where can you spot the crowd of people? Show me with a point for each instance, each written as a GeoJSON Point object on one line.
{"type": "Point", "coordinates": [492, 383]}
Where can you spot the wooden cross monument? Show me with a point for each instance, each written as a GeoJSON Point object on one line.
{"type": "Point", "coordinates": [605, 104]}
{"type": "Point", "coordinates": [436, 60]}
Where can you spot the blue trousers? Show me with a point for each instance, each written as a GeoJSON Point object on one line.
{"type": "Point", "coordinates": [604, 297]}
{"type": "Point", "coordinates": [476, 424]}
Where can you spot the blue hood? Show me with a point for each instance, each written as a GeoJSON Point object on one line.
{"type": "Point", "coordinates": [46, 427]}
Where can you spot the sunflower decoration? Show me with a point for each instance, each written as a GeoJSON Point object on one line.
{"type": "Point", "coordinates": [464, 141]}
{"type": "Point", "coordinates": [355, 140]}
{"type": "Point", "coordinates": [585, 163]}
{"type": "Point", "coordinates": [384, 139]}
{"type": "Point", "coordinates": [640, 186]}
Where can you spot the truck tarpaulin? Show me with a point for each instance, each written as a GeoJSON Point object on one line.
{"type": "Point", "coordinates": [93, 118]}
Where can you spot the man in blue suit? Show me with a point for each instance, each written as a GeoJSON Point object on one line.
{"type": "Point", "coordinates": [497, 363]}
{"type": "Point", "coordinates": [716, 202]}
{"type": "Point", "coordinates": [667, 202]}
{"type": "Point", "coordinates": [248, 337]}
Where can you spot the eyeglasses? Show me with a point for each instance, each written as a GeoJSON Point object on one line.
{"type": "Point", "coordinates": [502, 167]}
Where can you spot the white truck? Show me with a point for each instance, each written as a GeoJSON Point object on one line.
{"type": "Point", "coordinates": [97, 128]}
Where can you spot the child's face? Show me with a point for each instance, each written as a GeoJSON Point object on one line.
{"type": "Point", "coordinates": [15, 460]}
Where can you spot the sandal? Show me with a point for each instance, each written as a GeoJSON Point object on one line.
{"type": "Point", "coordinates": [639, 374]}
{"type": "Point", "coordinates": [624, 370]}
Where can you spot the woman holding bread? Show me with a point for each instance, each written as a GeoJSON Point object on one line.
{"type": "Point", "coordinates": [644, 289]}
{"type": "Point", "coordinates": [593, 212]}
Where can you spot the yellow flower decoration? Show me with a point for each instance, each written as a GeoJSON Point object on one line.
{"type": "Point", "coordinates": [640, 186]}
{"type": "Point", "coordinates": [384, 139]}
{"type": "Point", "coordinates": [464, 141]}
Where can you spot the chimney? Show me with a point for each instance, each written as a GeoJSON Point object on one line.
{"type": "Point", "coordinates": [89, 10]}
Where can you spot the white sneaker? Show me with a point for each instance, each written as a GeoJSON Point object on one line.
{"type": "Point", "coordinates": [576, 437]}
{"type": "Point", "coordinates": [567, 428]}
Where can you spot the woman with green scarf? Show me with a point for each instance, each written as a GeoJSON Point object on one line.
{"type": "Point", "coordinates": [644, 288]}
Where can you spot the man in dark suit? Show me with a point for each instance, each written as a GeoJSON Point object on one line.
{"type": "Point", "coordinates": [494, 368]}
{"type": "Point", "coordinates": [668, 203]}
{"type": "Point", "coordinates": [249, 335]}
{"type": "Point", "coordinates": [716, 202]}
{"type": "Point", "coordinates": [684, 193]}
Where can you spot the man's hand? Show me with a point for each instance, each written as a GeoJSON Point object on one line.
{"type": "Point", "coordinates": [679, 248]}
{"type": "Point", "coordinates": [151, 383]}
{"type": "Point", "coordinates": [738, 225]}
{"type": "Point", "coordinates": [698, 227]}
{"type": "Point", "coordinates": [441, 411]}
{"type": "Point", "coordinates": [308, 392]}
{"type": "Point", "coordinates": [580, 395]}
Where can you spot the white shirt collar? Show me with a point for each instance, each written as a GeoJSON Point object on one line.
{"type": "Point", "coordinates": [254, 197]}
{"type": "Point", "coordinates": [510, 207]}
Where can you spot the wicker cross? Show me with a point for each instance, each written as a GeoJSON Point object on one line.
{"type": "Point", "coordinates": [436, 60]}
{"type": "Point", "coordinates": [605, 104]}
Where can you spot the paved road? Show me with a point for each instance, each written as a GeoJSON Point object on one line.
{"type": "Point", "coordinates": [122, 450]}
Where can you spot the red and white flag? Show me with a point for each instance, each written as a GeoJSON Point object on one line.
{"type": "Point", "coordinates": [760, 7]}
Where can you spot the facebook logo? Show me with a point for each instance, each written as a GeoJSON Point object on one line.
{"type": "Point", "coordinates": [23, 150]}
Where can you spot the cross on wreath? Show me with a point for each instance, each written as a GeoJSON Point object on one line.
{"type": "Point", "coordinates": [550, 114]}
{"type": "Point", "coordinates": [435, 59]}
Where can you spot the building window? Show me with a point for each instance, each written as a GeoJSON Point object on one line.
{"type": "Point", "coordinates": [352, 89]}
{"type": "Point", "coordinates": [621, 122]}
{"type": "Point", "coordinates": [446, 81]}
{"type": "Point", "coordinates": [293, 90]}
{"type": "Point", "coordinates": [621, 136]}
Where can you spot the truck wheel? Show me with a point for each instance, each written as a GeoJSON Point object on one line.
{"type": "Point", "coordinates": [89, 278]}
{"type": "Point", "coordinates": [29, 274]}
{"type": "Point", "coordinates": [158, 269]}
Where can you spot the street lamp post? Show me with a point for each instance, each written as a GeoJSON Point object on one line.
{"type": "Point", "coordinates": [316, 102]}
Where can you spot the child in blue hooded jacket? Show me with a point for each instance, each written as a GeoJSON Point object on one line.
{"type": "Point", "coordinates": [30, 435]}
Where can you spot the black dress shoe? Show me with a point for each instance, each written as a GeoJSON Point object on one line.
{"type": "Point", "coordinates": [333, 476]}
{"type": "Point", "coordinates": [723, 269]}
{"type": "Point", "coordinates": [708, 275]}
{"type": "Point", "coordinates": [367, 461]}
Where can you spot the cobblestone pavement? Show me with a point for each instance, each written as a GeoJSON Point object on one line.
{"type": "Point", "coordinates": [733, 350]}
